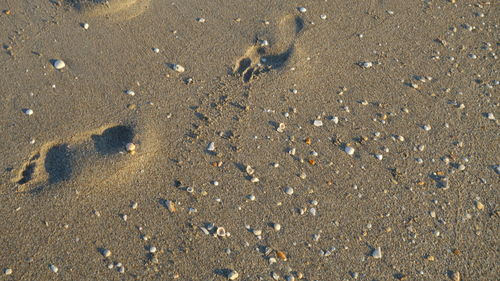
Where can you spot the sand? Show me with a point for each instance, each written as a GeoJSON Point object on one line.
{"type": "Point", "coordinates": [410, 86]}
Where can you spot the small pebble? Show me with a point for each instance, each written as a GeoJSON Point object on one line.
{"type": "Point", "coordinates": [152, 249]}
{"type": "Point", "coordinates": [349, 150]}
{"type": "Point", "coordinates": [7, 271]}
{"type": "Point", "coordinates": [130, 147]}
{"type": "Point", "coordinates": [318, 123]}
{"type": "Point", "coordinates": [53, 268]}
{"type": "Point", "coordinates": [366, 64]}
{"type": "Point", "coordinates": [323, 17]}
{"type": "Point", "coordinates": [179, 68]}
{"type": "Point", "coordinates": [201, 20]}
{"type": "Point", "coordinates": [276, 227]}
{"type": "Point", "coordinates": [106, 253]}
{"type": "Point", "coordinates": [28, 111]}
{"type": "Point", "coordinates": [288, 190]}
{"type": "Point", "coordinates": [59, 64]}
{"type": "Point", "coordinates": [85, 26]}
{"type": "Point", "coordinates": [233, 275]}
{"type": "Point", "coordinates": [130, 92]}
{"type": "Point", "coordinates": [211, 146]}
{"type": "Point", "coordinates": [377, 253]}
{"type": "Point", "coordinates": [302, 9]}
{"type": "Point", "coordinates": [156, 50]}
{"type": "Point", "coordinates": [490, 116]}
{"type": "Point", "coordinates": [479, 205]}
{"type": "Point", "coordinates": [455, 276]}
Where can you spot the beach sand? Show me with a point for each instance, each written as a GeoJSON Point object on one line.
{"type": "Point", "coordinates": [381, 116]}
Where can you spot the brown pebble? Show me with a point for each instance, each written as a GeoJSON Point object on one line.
{"type": "Point", "coordinates": [132, 106]}
{"type": "Point", "coordinates": [456, 252]}
{"type": "Point", "coordinates": [308, 141]}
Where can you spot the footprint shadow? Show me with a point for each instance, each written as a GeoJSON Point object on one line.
{"type": "Point", "coordinates": [58, 164]}
{"type": "Point", "coordinates": [113, 140]}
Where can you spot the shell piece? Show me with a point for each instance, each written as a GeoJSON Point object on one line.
{"type": "Point", "coordinates": [171, 206]}
{"type": "Point", "coordinates": [130, 147]}
{"type": "Point", "coordinates": [179, 68]}
{"type": "Point", "coordinates": [233, 275]}
{"type": "Point", "coordinates": [349, 150]}
{"type": "Point", "coordinates": [221, 231]}
{"type": "Point", "coordinates": [59, 64]}
{"type": "Point", "coordinates": [281, 255]}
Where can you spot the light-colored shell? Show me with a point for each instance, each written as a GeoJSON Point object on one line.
{"type": "Point", "coordinates": [59, 64]}
{"type": "Point", "coordinates": [171, 206]}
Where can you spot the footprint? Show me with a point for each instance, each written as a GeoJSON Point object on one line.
{"type": "Point", "coordinates": [275, 54]}
{"type": "Point", "coordinates": [89, 157]}
{"type": "Point", "coordinates": [117, 10]}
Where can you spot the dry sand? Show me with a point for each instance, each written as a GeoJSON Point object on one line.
{"type": "Point", "coordinates": [410, 86]}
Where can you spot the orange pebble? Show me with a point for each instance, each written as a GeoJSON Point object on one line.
{"type": "Point", "coordinates": [312, 162]}
{"type": "Point", "coordinates": [308, 141]}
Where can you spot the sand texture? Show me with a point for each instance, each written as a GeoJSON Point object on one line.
{"type": "Point", "coordinates": [272, 140]}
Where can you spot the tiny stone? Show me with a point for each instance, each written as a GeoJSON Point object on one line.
{"type": "Point", "coordinates": [85, 26]}
{"type": "Point", "coordinates": [288, 190]}
{"type": "Point", "coordinates": [302, 9]}
{"type": "Point", "coordinates": [377, 253]}
{"type": "Point", "coordinates": [28, 111]}
{"type": "Point", "coordinates": [130, 92]}
{"type": "Point", "coordinates": [490, 116]}
{"type": "Point", "coordinates": [53, 268]}
{"type": "Point", "coordinates": [479, 205]}
{"type": "Point", "coordinates": [156, 50]}
{"type": "Point", "coordinates": [455, 276]}
{"type": "Point", "coordinates": [318, 123]}
{"type": "Point", "coordinates": [59, 64]}
{"type": "Point", "coordinates": [251, 197]}
{"type": "Point", "coordinates": [366, 64]}
{"type": "Point", "coordinates": [233, 275]}
{"type": "Point", "coordinates": [202, 20]}
{"type": "Point", "coordinates": [349, 150]}
{"type": "Point", "coordinates": [323, 17]}
{"type": "Point", "coordinates": [211, 146]}
{"type": "Point", "coordinates": [130, 147]}
{"type": "Point", "coordinates": [179, 68]}
{"type": "Point", "coordinates": [106, 253]}
{"type": "Point", "coordinates": [152, 249]}
{"type": "Point", "coordinates": [7, 271]}
{"type": "Point", "coordinates": [277, 226]}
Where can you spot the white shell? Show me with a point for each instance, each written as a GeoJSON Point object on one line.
{"type": "Point", "coordinates": [318, 123]}
{"type": "Point", "coordinates": [349, 150]}
{"type": "Point", "coordinates": [221, 231]}
{"type": "Point", "coordinates": [179, 68]}
{"type": "Point", "coordinates": [233, 275]}
{"type": "Point", "coordinates": [130, 147]}
{"type": "Point", "coordinates": [211, 146]}
{"type": "Point", "coordinates": [59, 64]}
{"type": "Point", "coordinates": [377, 253]}
{"type": "Point", "coordinates": [53, 268]}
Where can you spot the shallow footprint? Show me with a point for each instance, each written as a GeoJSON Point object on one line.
{"type": "Point", "coordinates": [271, 51]}
{"type": "Point", "coordinates": [89, 157]}
{"type": "Point", "coordinates": [117, 10]}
